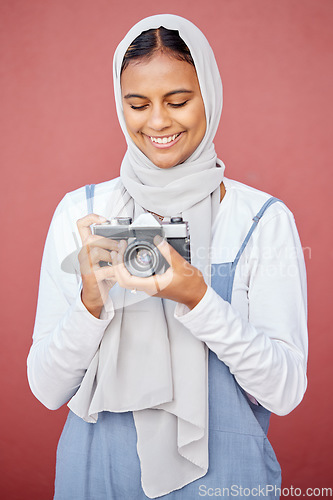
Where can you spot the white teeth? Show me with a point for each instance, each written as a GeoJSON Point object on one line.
{"type": "Point", "coordinates": [164, 140]}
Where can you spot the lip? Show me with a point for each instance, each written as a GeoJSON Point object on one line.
{"type": "Point", "coordinates": [168, 144]}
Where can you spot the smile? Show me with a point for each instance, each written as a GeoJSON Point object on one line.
{"type": "Point", "coordinates": [166, 141]}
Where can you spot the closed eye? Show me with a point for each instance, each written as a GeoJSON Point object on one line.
{"type": "Point", "coordinates": [138, 107]}
{"type": "Point", "coordinates": [178, 105]}
{"type": "Point", "coordinates": [173, 105]}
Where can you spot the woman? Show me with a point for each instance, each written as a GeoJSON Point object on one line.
{"type": "Point", "coordinates": [171, 378]}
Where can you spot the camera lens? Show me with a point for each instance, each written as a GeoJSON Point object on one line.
{"type": "Point", "coordinates": [142, 259]}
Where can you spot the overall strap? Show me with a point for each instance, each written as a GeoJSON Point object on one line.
{"type": "Point", "coordinates": [90, 189]}
{"type": "Point", "coordinates": [255, 219]}
{"type": "Point", "coordinates": [230, 278]}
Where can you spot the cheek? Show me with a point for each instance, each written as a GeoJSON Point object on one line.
{"type": "Point", "coordinates": [199, 123]}
{"type": "Point", "coordinates": [196, 119]}
{"type": "Point", "coordinates": [132, 121]}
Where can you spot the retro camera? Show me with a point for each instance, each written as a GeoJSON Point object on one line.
{"type": "Point", "coordinates": [141, 256]}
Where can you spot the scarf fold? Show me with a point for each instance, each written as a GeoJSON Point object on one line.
{"type": "Point", "coordinates": [148, 362]}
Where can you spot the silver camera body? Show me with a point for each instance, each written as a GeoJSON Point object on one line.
{"type": "Point", "coordinates": [141, 256]}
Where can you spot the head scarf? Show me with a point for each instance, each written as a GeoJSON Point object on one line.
{"type": "Point", "coordinates": [148, 362]}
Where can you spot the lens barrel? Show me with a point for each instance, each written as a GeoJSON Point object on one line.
{"type": "Point", "coordinates": [142, 259]}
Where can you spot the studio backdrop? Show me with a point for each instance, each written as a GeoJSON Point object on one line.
{"type": "Point", "coordinates": [59, 131]}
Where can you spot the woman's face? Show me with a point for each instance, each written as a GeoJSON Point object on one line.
{"type": "Point", "coordinates": [163, 108]}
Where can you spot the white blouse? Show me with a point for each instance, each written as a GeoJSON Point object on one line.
{"type": "Point", "coordinates": [261, 336]}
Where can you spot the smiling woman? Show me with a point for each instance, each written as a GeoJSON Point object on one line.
{"type": "Point", "coordinates": [170, 388]}
{"type": "Point", "coordinates": [163, 107]}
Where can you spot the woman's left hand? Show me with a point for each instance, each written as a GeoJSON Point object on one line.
{"type": "Point", "coordinates": [181, 282]}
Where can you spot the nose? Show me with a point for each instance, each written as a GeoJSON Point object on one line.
{"type": "Point", "coordinates": [159, 117]}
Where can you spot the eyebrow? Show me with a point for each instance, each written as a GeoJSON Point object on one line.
{"type": "Point", "coordinates": [168, 94]}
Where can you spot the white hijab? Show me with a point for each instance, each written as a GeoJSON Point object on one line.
{"type": "Point", "coordinates": [148, 362]}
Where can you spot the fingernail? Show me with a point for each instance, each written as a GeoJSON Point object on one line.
{"type": "Point", "coordinates": [102, 219]}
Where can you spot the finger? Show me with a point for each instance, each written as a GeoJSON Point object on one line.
{"type": "Point", "coordinates": [121, 273]}
{"type": "Point", "coordinates": [163, 280]}
{"type": "Point", "coordinates": [84, 224]}
{"type": "Point", "coordinates": [100, 241]}
{"type": "Point", "coordinates": [97, 274]}
{"type": "Point", "coordinates": [99, 254]}
{"type": "Point", "coordinates": [129, 281]}
{"type": "Point", "coordinates": [122, 248]}
{"type": "Point", "coordinates": [105, 273]}
{"type": "Point", "coordinates": [169, 253]}
{"type": "Point", "coordinates": [90, 257]}
{"type": "Point", "coordinates": [156, 283]}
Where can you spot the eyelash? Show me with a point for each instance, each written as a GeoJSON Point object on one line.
{"type": "Point", "coordinates": [178, 105]}
{"type": "Point", "coordinates": [172, 105]}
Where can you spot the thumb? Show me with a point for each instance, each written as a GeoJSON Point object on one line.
{"type": "Point", "coordinates": [168, 252]}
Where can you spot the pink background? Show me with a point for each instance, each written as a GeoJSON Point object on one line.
{"type": "Point", "coordinates": [59, 131]}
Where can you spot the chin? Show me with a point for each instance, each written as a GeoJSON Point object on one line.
{"type": "Point", "coordinates": [162, 163]}
{"type": "Point", "coordinates": [166, 163]}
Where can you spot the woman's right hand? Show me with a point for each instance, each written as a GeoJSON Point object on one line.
{"type": "Point", "coordinates": [96, 280]}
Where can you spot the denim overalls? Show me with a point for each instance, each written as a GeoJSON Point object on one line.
{"type": "Point", "coordinates": [100, 462]}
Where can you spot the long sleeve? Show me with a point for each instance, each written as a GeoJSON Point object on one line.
{"type": "Point", "coordinates": [262, 335]}
{"type": "Point", "coordinates": [66, 336]}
